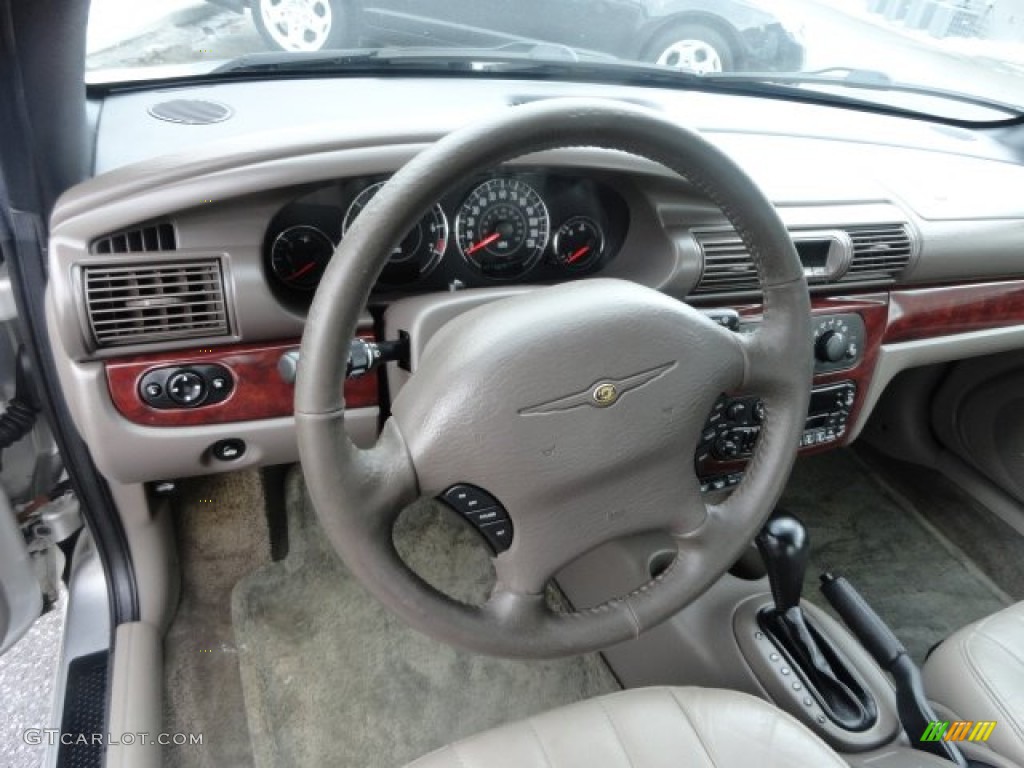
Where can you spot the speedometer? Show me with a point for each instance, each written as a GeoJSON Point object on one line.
{"type": "Point", "coordinates": [502, 228]}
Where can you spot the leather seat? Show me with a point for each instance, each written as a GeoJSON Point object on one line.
{"type": "Point", "coordinates": [646, 728]}
{"type": "Point", "coordinates": [978, 674]}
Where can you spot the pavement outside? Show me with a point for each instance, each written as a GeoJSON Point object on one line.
{"type": "Point", "coordinates": [27, 673]}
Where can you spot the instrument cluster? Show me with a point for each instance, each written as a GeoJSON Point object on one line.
{"type": "Point", "coordinates": [524, 226]}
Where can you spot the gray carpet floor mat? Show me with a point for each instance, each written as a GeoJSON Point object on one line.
{"type": "Point", "coordinates": [221, 535]}
{"type": "Point", "coordinates": [919, 581]}
{"type": "Point", "coordinates": [332, 678]}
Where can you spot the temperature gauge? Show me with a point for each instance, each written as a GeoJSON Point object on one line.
{"type": "Point", "coordinates": [578, 243]}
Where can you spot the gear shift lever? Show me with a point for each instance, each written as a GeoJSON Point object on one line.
{"type": "Point", "coordinates": [784, 545]}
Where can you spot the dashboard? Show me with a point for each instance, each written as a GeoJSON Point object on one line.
{"type": "Point", "coordinates": [530, 226]}
{"type": "Point", "coordinates": [181, 275]}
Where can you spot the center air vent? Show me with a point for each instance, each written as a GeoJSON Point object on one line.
{"type": "Point", "coordinates": [879, 253]}
{"type": "Point", "coordinates": [727, 265]}
{"type": "Point", "coordinates": [134, 304]}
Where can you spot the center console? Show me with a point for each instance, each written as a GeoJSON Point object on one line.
{"type": "Point", "coordinates": [734, 424]}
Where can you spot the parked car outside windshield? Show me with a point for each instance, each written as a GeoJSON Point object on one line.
{"type": "Point", "coordinates": [893, 51]}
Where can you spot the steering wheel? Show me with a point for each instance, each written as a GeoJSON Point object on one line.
{"type": "Point", "coordinates": [578, 406]}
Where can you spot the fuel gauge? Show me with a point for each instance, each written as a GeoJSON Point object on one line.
{"type": "Point", "coordinates": [300, 255]}
{"type": "Point", "coordinates": [578, 243]}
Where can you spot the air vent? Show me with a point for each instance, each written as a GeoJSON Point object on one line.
{"type": "Point", "coordinates": [880, 252]}
{"type": "Point", "coordinates": [145, 239]}
{"type": "Point", "coordinates": [139, 303]}
{"type": "Point", "coordinates": [727, 265]}
{"type": "Point", "coordinates": [191, 111]}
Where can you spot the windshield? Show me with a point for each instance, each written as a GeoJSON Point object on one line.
{"type": "Point", "coordinates": [890, 51]}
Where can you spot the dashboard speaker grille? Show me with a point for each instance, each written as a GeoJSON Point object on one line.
{"type": "Point", "coordinates": [144, 239]}
{"type": "Point", "coordinates": [879, 252]}
{"type": "Point", "coordinates": [139, 303]}
{"type": "Point", "coordinates": [191, 111]}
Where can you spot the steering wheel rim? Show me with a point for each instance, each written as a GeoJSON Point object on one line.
{"type": "Point", "coordinates": [358, 493]}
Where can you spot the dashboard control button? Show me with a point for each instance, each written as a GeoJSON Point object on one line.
{"type": "Point", "coordinates": [467, 499]}
{"type": "Point", "coordinates": [831, 347]}
{"type": "Point", "coordinates": [153, 390]}
{"type": "Point", "coordinates": [231, 449]}
{"type": "Point", "coordinates": [759, 411]}
{"type": "Point", "coordinates": [498, 535]}
{"type": "Point", "coordinates": [186, 388]}
{"type": "Point", "coordinates": [485, 516]}
{"type": "Point", "coordinates": [737, 411]}
{"type": "Point", "coordinates": [726, 448]}
{"type": "Point", "coordinates": [483, 512]}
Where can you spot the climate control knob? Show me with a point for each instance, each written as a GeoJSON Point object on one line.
{"type": "Point", "coordinates": [830, 347]}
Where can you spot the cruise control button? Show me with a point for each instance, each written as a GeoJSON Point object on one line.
{"type": "Point", "coordinates": [467, 499]}
{"type": "Point", "coordinates": [485, 516]}
{"type": "Point", "coordinates": [499, 535]}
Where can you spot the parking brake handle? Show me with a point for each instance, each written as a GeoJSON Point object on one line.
{"type": "Point", "coordinates": [878, 639]}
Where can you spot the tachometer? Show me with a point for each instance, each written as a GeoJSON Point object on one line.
{"type": "Point", "coordinates": [502, 228]}
{"type": "Point", "coordinates": [420, 250]}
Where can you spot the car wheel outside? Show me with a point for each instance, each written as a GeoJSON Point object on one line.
{"type": "Point", "coordinates": [303, 25]}
{"type": "Point", "coordinates": [693, 47]}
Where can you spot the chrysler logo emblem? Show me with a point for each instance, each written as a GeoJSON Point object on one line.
{"type": "Point", "coordinates": [604, 393]}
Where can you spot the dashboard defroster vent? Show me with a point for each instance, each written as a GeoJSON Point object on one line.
{"type": "Point", "coordinates": [880, 252]}
{"type": "Point", "coordinates": [145, 239]}
{"type": "Point", "coordinates": [134, 304]}
{"type": "Point", "coordinates": [727, 265]}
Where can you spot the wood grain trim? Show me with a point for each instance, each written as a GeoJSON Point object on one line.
{"type": "Point", "coordinates": [943, 311]}
{"type": "Point", "coordinates": [259, 391]}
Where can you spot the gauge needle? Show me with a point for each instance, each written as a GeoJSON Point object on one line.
{"type": "Point", "coordinates": [483, 243]}
{"type": "Point", "coordinates": [578, 254]}
{"type": "Point", "coordinates": [301, 271]}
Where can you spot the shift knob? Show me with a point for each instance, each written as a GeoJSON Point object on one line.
{"type": "Point", "coordinates": [784, 546]}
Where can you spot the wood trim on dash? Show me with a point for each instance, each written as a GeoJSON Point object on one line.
{"type": "Point", "coordinates": [925, 313]}
{"type": "Point", "coordinates": [259, 391]}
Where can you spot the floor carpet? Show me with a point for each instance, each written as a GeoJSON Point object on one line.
{"type": "Point", "coordinates": [221, 532]}
{"type": "Point", "coordinates": [918, 580]}
{"type": "Point", "coordinates": [332, 678]}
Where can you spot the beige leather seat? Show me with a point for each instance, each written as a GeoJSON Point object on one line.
{"type": "Point", "coordinates": [978, 674]}
{"type": "Point", "coordinates": [646, 728]}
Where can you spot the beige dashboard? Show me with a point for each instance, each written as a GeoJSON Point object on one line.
{"type": "Point", "coordinates": [164, 265]}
